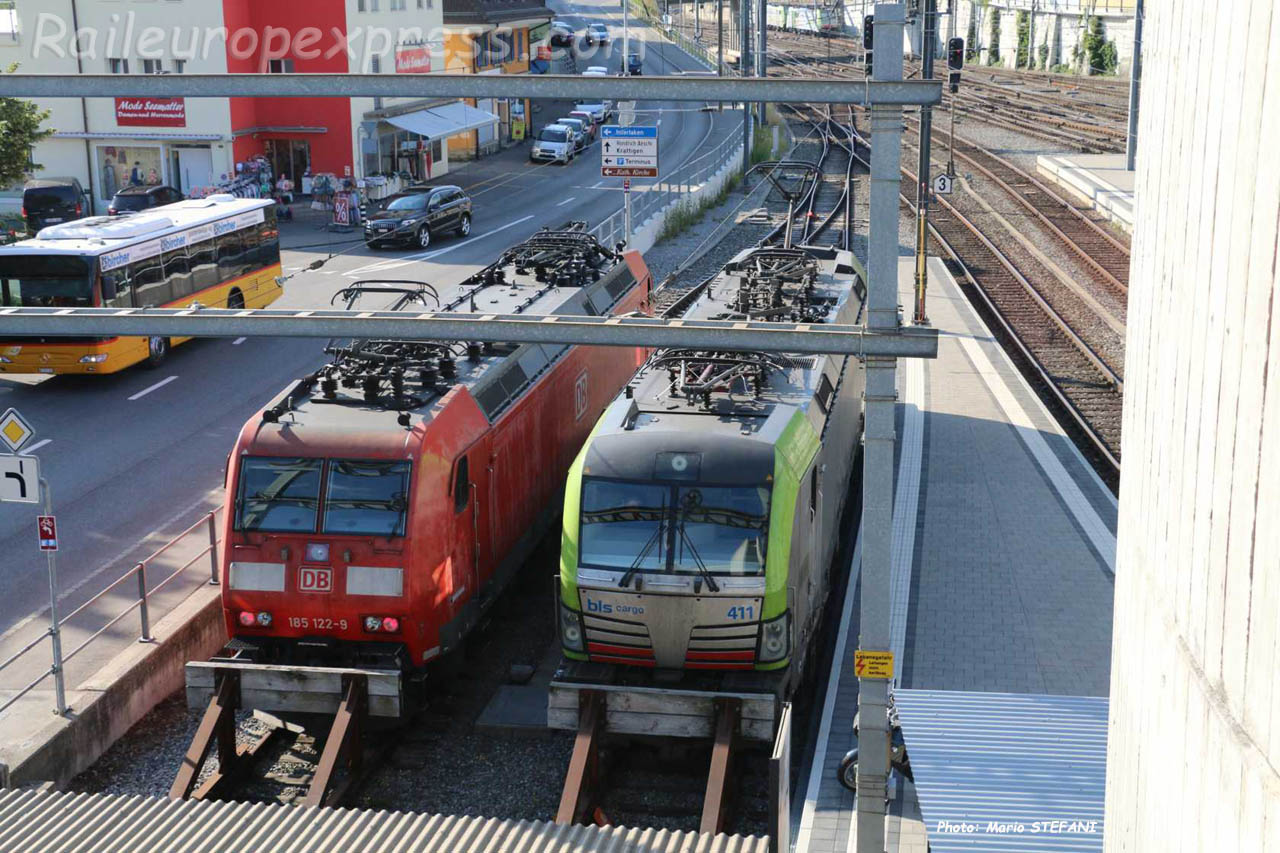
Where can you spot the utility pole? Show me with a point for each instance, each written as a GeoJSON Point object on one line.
{"type": "Point", "coordinates": [744, 62]}
{"type": "Point", "coordinates": [720, 44]}
{"type": "Point", "coordinates": [881, 397]}
{"type": "Point", "coordinates": [1031, 37]}
{"type": "Point", "coordinates": [626, 40]}
{"type": "Point", "coordinates": [762, 56]}
{"type": "Point", "coordinates": [1135, 86]}
{"type": "Point", "coordinates": [929, 38]}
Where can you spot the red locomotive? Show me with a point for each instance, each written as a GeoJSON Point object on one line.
{"type": "Point", "coordinates": [375, 509]}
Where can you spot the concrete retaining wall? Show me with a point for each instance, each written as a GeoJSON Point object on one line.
{"type": "Point", "coordinates": [1060, 32]}
{"type": "Point", "coordinates": [646, 234]}
{"type": "Point", "coordinates": [123, 692]}
{"type": "Point", "coordinates": [1193, 759]}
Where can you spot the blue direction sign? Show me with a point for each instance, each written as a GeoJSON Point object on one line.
{"type": "Point", "coordinates": [629, 152]}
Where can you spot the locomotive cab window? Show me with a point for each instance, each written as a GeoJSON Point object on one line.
{"type": "Point", "coordinates": [278, 495]}
{"type": "Point", "coordinates": [366, 498]}
{"type": "Point", "coordinates": [461, 485]}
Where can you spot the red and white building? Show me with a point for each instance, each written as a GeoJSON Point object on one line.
{"type": "Point", "coordinates": [194, 143]}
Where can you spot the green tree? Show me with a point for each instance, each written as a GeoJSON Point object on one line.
{"type": "Point", "coordinates": [994, 53]}
{"type": "Point", "coordinates": [19, 132]}
{"type": "Point", "coordinates": [1100, 54]}
{"type": "Point", "coordinates": [971, 41]}
{"type": "Point", "coordinates": [1022, 59]}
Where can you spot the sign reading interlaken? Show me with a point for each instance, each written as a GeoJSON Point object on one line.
{"type": "Point", "coordinates": [629, 152]}
{"type": "Point", "coordinates": [151, 112]}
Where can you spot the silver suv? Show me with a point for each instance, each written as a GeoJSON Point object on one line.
{"type": "Point", "coordinates": [554, 144]}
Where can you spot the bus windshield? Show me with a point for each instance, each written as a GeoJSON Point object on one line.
{"type": "Point", "coordinates": [684, 528]}
{"type": "Point", "coordinates": [45, 281]}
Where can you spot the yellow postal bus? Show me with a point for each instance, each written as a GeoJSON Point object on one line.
{"type": "Point", "coordinates": [220, 251]}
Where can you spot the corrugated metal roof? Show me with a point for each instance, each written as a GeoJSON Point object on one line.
{"type": "Point", "coordinates": [1007, 771]}
{"type": "Point", "coordinates": [63, 822]}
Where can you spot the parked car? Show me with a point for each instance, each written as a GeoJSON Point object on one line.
{"type": "Point", "coordinates": [581, 133]}
{"type": "Point", "coordinates": [596, 34]}
{"type": "Point", "coordinates": [132, 199]}
{"type": "Point", "coordinates": [561, 33]}
{"type": "Point", "coordinates": [417, 214]}
{"type": "Point", "coordinates": [593, 128]}
{"type": "Point", "coordinates": [48, 201]}
{"type": "Point", "coordinates": [554, 144]}
{"type": "Point", "coordinates": [596, 71]}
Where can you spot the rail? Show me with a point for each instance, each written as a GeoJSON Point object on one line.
{"type": "Point", "coordinates": [206, 529]}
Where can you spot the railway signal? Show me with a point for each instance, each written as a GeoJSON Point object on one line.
{"type": "Point", "coordinates": [955, 62]}
{"type": "Point", "coordinates": [867, 23]}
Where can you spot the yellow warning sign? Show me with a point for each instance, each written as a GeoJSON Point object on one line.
{"type": "Point", "coordinates": [14, 431]}
{"type": "Point", "coordinates": [873, 664]}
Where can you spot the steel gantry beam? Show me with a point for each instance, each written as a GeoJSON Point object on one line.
{"type": "Point", "coordinates": [744, 89]}
{"type": "Point", "coordinates": [727, 335]}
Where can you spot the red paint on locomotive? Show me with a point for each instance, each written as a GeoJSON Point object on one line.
{"type": "Point", "coordinates": [448, 556]}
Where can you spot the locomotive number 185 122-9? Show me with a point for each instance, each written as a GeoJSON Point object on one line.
{"type": "Point", "coordinates": [320, 623]}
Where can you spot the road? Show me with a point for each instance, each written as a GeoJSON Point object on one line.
{"type": "Point", "coordinates": [136, 457]}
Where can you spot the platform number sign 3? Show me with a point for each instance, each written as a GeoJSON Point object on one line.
{"type": "Point", "coordinates": [943, 184]}
{"type": "Point", "coordinates": [581, 399]}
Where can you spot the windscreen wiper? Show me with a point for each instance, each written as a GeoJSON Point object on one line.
{"type": "Point", "coordinates": [697, 558]}
{"type": "Point", "coordinates": [654, 539]}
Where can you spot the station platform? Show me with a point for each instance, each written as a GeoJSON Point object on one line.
{"type": "Point", "coordinates": [1003, 559]}
{"type": "Point", "coordinates": [1098, 180]}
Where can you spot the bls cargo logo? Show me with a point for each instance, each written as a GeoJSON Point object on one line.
{"type": "Point", "coordinates": [315, 580]}
{"type": "Point", "coordinates": [605, 607]}
{"type": "Point", "coordinates": [580, 398]}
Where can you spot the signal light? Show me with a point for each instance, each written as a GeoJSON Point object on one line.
{"type": "Point", "coordinates": [391, 624]}
{"type": "Point", "coordinates": [867, 23]}
{"type": "Point", "coordinates": [248, 619]}
{"type": "Point", "coordinates": [955, 54]}
{"type": "Point", "coordinates": [382, 624]}
{"type": "Point", "coordinates": [264, 619]}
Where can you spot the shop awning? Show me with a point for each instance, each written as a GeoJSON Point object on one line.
{"type": "Point", "coordinates": [1007, 771]}
{"type": "Point", "coordinates": [442, 121]}
{"type": "Point", "coordinates": [161, 137]}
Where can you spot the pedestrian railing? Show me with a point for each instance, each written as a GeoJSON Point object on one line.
{"type": "Point", "coordinates": [203, 535]}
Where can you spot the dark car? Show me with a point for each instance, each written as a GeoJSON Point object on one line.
{"type": "Point", "coordinates": [560, 33]}
{"type": "Point", "coordinates": [417, 214]}
{"type": "Point", "coordinates": [131, 199]}
{"type": "Point", "coordinates": [596, 34]}
{"type": "Point", "coordinates": [635, 64]}
{"type": "Point", "coordinates": [49, 201]}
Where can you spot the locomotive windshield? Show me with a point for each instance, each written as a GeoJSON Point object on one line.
{"type": "Point", "coordinates": [360, 498]}
{"type": "Point", "coordinates": [279, 495]}
{"type": "Point", "coordinates": [652, 527]}
{"type": "Point", "coordinates": [366, 498]}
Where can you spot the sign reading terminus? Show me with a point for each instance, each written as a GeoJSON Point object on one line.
{"type": "Point", "coordinates": [629, 152]}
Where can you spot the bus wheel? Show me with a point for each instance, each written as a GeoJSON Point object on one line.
{"type": "Point", "coordinates": [235, 301]}
{"type": "Point", "coordinates": [157, 351]}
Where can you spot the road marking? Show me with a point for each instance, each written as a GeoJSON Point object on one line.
{"type": "Point", "coordinates": [39, 444]}
{"type": "Point", "coordinates": [566, 201]}
{"type": "Point", "coordinates": [423, 256]}
{"type": "Point", "coordinates": [145, 391]}
{"type": "Point", "coordinates": [597, 185]}
{"type": "Point", "coordinates": [238, 341]}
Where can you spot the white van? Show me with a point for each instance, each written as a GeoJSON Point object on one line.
{"type": "Point", "coordinates": [553, 144]}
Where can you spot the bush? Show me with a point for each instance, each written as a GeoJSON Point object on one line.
{"type": "Point", "coordinates": [1101, 54]}
{"type": "Point", "coordinates": [687, 213]}
{"type": "Point", "coordinates": [1044, 56]}
{"type": "Point", "coordinates": [971, 40]}
{"type": "Point", "coordinates": [1022, 59]}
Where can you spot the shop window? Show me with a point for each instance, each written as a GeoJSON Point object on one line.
{"type": "Point", "coordinates": [152, 66]}
{"type": "Point", "coordinates": [280, 66]}
{"type": "Point", "coordinates": [118, 66]}
{"type": "Point", "coordinates": [179, 66]}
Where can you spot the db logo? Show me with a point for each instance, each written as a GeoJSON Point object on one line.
{"type": "Point", "coordinates": [315, 580]}
{"type": "Point", "coordinates": [580, 398]}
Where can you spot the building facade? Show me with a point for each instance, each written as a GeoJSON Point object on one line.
{"type": "Point", "coordinates": [1193, 748]}
{"type": "Point", "coordinates": [199, 145]}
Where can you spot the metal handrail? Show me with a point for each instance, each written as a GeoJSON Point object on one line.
{"type": "Point", "coordinates": [138, 573]}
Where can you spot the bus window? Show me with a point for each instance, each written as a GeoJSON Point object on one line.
{"type": "Point", "coordinates": [204, 264]}
{"type": "Point", "coordinates": [231, 262]}
{"type": "Point", "coordinates": [177, 268]}
{"type": "Point", "coordinates": [117, 290]}
{"type": "Point", "coordinates": [44, 281]}
{"type": "Point", "coordinates": [252, 238]}
{"type": "Point", "coordinates": [149, 282]}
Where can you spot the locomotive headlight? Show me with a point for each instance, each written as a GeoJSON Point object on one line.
{"type": "Point", "coordinates": [570, 629]}
{"type": "Point", "coordinates": [247, 619]}
{"type": "Point", "coordinates": [264, 619]}
{"type": "Point", "coordinates": [373, 623]}
{"type": "Point", "coordinates": [775, 638]}
{"type": "Point", "coordinates": [390, 624]}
